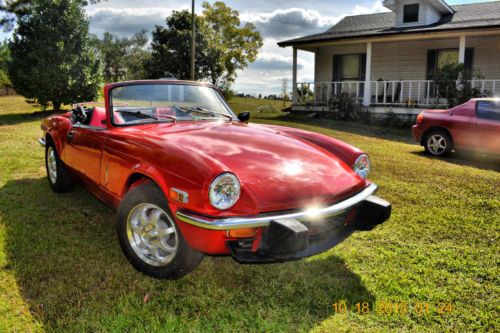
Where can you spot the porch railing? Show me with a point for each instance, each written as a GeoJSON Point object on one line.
{"type": "Point", "coordinates": [395, 93]}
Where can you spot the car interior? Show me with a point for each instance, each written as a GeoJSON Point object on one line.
{"type": "Point", "coordinates": [96, 116]}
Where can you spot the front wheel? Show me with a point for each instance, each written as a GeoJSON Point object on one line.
{"type": "Point", "coordinates": [60, 179]}
{"type": "Point", "coordinates": [149, 237]}
{"type": "Point", "coordinates": [438, 143]}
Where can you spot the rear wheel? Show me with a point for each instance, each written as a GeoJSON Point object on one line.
{"type": "Point", "coordinates": [60, 179]}
{"type": "Point", "coordinates": [438, 143]}
{"type": "Point", "coordinates": [149, 236]}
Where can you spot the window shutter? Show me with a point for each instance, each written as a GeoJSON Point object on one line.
{"type": "Point", "coordinates": [469, 59]}
{"type": "Point", "coordinates": [431, 64]}
{"type": "Point", "coordinates": [362, 66]}
{"type": "Point", "coordinates": [337, 67]}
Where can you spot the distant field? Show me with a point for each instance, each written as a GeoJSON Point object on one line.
{"type": "Point", "coordinates": [61, 268]}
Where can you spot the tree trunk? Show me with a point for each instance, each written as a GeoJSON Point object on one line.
{"type": "Point", "coordinates": [57, 106]}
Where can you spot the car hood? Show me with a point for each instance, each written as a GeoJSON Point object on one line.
{"type": "Point", "coordinates": [279, 170]}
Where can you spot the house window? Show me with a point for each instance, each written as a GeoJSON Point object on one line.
{"type": "Point", "coordinates": [447, 57]}
{"type": "Point", "coordinates": [349, 67]}
{"type": "Point", "coordinates": [437, 59]}
{"type": "Point", "coordinates": [410, 13]}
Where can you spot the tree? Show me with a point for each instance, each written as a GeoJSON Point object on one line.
{"type": "Point", "coordinates": [52, 61]}
{"type": "Point", "coordinates": [223, 45]}
{"type": "Point", "coordinates": [171, 49]}
{"type": "Point", "coordinates": [231, 46]}
{"type": "Point", "coordinates": [4, 63]}
{"type": "Point", "coordinates": [138, 54]}
{"type": "Point", "coordinates": [284, 90]}
{"type": "Point", "coordinates": [10, 9]}
{"type": "Point", "coordinates": [123, 58]}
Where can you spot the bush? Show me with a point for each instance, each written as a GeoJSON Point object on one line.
{"type": "Point", "coordinates": [267, 109]}
{"type": "Point", "coordinates": [454, 84]}
{"type": "Point", "coordinates": [344, 107]}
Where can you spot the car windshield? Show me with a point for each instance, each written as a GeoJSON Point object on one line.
{"type": "Point", "coordinates": [146, 103]}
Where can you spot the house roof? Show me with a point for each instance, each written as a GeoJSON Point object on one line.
{"type": "Point", "coordinates": [466, 17]}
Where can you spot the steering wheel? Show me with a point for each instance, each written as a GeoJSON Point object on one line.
{"type": "Point", "coordinates": [79, 114]}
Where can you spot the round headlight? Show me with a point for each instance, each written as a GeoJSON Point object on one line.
{"type": "Point", "coordinates": [224, 191]}
{"type": "Point", "coordinates": [362, 166]}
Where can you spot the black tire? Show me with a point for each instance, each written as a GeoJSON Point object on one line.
{"type": "Point", "coordinates": [438, 143]}
{"type": "Point", "coordinates": [183, 261]}
{"type": "Point", "coordinates": [62, 181]}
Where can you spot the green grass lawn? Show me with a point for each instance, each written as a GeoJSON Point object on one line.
{"type": "Point", "coordinates": [61, 268]}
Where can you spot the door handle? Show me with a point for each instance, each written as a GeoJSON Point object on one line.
{"type": "Point", "coordinates": [70, 136]}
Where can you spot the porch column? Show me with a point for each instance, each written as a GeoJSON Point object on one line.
{"type": "Point", "coordinates": [461, 50]}
{"type": "Point", "coordinates": [294, 77]}
{"type": "Point", "coordinates": [368, 76]}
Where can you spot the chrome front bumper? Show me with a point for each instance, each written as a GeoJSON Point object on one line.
{"type": "Point", "coordinates": [265, 220]}
{"type": "Point", "coordinates": [41, 142]}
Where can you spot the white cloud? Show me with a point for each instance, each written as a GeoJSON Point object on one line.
{"type": "Point", "coordinates": [273, 64]}
{"type": "Point", "coordinates": [377, 7]}
{"type": "Point", "coordinates": [287, 23]}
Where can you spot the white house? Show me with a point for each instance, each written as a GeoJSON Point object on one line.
{"type": "Point", "coordinates": [391, 59]}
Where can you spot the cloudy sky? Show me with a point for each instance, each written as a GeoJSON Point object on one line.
{"type": "Point", "coordinates": [276, 20]}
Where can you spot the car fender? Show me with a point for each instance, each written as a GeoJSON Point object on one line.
{"type": "Point", "coordinates": [141, 171]}
{"type": "Point", "coordinates": [56, 127]}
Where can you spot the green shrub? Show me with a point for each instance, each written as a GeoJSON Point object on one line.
{"type": "Point", "coordinates": [344, 107]}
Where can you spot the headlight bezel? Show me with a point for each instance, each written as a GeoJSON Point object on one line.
{"type": "Point", "coordinates": [212, 194]}
{"type": "Point", "coordinates": [362, 166]}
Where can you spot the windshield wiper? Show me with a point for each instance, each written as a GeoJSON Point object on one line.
{"type": "Point", "coordinates": [141, 114]}
{"type": "Point", "coordinates": [138, 113]}
{"type": "Point", "coordinates": [202, 110]}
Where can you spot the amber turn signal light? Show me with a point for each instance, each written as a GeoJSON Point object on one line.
{"type": "Point", "coordinates": [420, 118]}
{"type": "Point", "coordinates": [242, 233]}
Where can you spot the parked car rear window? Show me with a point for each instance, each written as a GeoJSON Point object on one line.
{"type": "Point", "coordinates": [488, 110]}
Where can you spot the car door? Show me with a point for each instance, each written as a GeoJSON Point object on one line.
{"type": "Point", "coordinates": [83, 150]}
{"type": "Point", "coordinates": [487, 124]}
{"type": "Point", "coordinates": [461, 125]}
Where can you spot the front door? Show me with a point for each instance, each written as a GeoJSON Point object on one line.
{"type": "Point", "coordinates": [83, 151]}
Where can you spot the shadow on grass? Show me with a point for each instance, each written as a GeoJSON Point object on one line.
{"type": "Point", "coordinates": [64, 253]}
{"type": "Point", "coordinates": [471, 159]}
{"type": "Point", "coordinates": [374, 131]}
{"type": "Point", "coordinates": [18, 118]}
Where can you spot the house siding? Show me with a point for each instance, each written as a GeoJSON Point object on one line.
{"type": "Point", "coordinates": [407, 61]}
{"type": "Point", "coordinates": [486, 55]}
{"type": "Point", "coordinates": [432, 15]}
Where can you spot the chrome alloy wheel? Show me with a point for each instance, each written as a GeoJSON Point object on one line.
{"type": "Point", "coordinates": [436, 144]}
{"type": "Point", "coordinates": [152, 234]}
{"type": "Point", "coordinates": [52, 165]}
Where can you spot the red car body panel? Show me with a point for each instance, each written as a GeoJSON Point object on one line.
{"type": "Point", "coordinates": [279, 168]}
{"type": "Point", "coordinates": [467, 131]}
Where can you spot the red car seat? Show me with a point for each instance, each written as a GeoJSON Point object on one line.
{"type": "Point", "coordinates": [98, 117]}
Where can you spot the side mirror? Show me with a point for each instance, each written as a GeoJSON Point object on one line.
{"type": "Point", "coordinates": [244, 117]}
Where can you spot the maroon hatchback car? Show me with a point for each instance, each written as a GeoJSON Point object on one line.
{"type": "Point", "coordinates": [473, 126]}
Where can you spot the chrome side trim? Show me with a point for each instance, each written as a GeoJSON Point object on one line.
{"type": "Point", "coordinates": [262, 221]}
{"type": "Point", "coordinates": [41, 142]}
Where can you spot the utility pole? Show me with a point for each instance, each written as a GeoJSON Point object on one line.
{"type": "Point", "coordinates": [193, 41]}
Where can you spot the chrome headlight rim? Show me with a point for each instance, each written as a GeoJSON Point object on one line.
{"type": "Point", "coordinates": [214, 200]}
{"type": "Point", "coordinates": [362, 166]}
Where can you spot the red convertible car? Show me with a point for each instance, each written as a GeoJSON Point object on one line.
{"type": "Point", "coordinates": [474, 126]}
{"type": "Point", "coordinates": [189, 178]}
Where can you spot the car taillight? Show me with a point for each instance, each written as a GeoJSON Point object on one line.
{"type": "Point", "coordinates": [420, 118]}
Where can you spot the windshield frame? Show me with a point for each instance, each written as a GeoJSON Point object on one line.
{"type": "Point", "coordinates": [160, 82]}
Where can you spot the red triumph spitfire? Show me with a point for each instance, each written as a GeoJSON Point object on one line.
{"type": "Point", "coordinates": [189, 178]}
